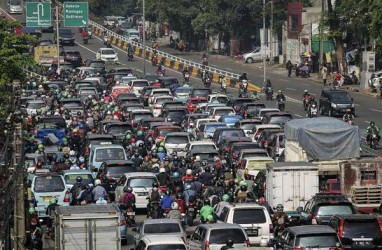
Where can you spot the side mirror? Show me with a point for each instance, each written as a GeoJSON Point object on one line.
{"type": "Point", "coordinates": [188, 236]}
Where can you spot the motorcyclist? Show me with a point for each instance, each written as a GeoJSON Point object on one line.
{"type": "Point", "coordinates": [280, 97]}
{"type": "Point", "coordinates": [145, 164]}
{"type": "Point", "coordinates": [85, 33]}
{"type": "Point", "coordinates": [255, 96]}
{"type": "Point", "coordinates": [50, 211]}
{"type": "Point", "coordinates": [130, 51]}
{"type": "Point", "coordinates": [98, 191]}
{"type": "Point", "coordinates": [370, 129]}
{"type": "Point", "coordinates": [306, 94]}
{"type": "Point", "coordinates": [196, 184]}
{"type": "Point", "coordinates": [166, 202]}
{"type": "Point", "coordinates": [224, 201]}
{"type": "Point", "coordinates": [228, 245]}
{"type": "Point", "coordinates": [206, 210]}
{"type": "Point", "coordinates": [243, 77]}
{"type": "Point", "coordinates": [188, 192]}
{"type": "Point", "coordinates": [279, 219]}
{"type": "Point", "coordinates": [242, 193]}
{"type": "Point", "coordinates": [223, 83]}
{"type": "Point", "coordinates": [153, 196]}
{"type": "Point", "coordinates": [163, 178]}
{"type": "Point", "coordinates": [206, 177]}
{"type": "Point", "coordinates": [174, 212]}
{"type": "Point", "coordinates": [129, 197]}
{"type": "Point", "coordinates": [75, 190]}
{"type": "Point", "coordinates": [188, 177]}
{"type": "Point", "coordinates": [348, 116]}
{"type": "Point", "coordinates": [184, 72]}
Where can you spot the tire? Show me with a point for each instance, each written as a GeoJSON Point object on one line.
{"type": "Point", "coordinates": [190, 221]}
{"type": "Point", "coordinates": [330, 112]}
{"type": "Point", "coordinates": [124, 242]}
{"type": "Point", "coordinates": [249, 60]}
{"type": "Point", "coordinates": [321, 110]}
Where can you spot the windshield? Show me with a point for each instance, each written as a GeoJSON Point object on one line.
{"type": "Point", "coordinates": [207, 156]}
{"type": "Point", "coordinates": [211, 128]}
{"type": "Point", "coordinates": [183, 91]}
{"type": "Point", "coordinates": [368, 228]}
{"type": "Point", "coordinates": [71, 178]}
{"type": "Point", "coordinates": [145, 182]}
{"type": "Point", "coordinates": [141, 84]}
{"type": "Point", "coordinates": [220, 236]}
{"type": "Point", "coordinates": [280, 119]}
{"type": "Point", "coordinates": [176, 139]}
{"type": "Point", "coordinates": [108, 52]}
{"type": "Point", "coordinates": [341, 97]}
{"type": "Point", "coordinates": [163, 100]}
{"type": "Point", "coordinates": [220, 99]}
{"type": "Point", "coordinates": [44, 184]}
{"type": "Point", "coordinates": [34, 105]}
{"type": "Point", "coordinates": [138, 117]}
{"type": "Point", "coordinates": [110, 154]}
{"type": "Point", "coordinates": [120, 170]}
{"type": "Point", "coordinates": [15, 2]}
{"type": "Point", "coordinates": [97, 65]}
{"type": "Point", "coordinates": [65, 32]}
{"type": "Point", "coordinates": [118, 129]}
{"type": "Point", "coordinates": [334, 209]}
{"type": "Point", "coordinates": [249, 216]}
{"type": "Point", "coordinates": [164, 132]}
{"type": "Point", "coordinates": [161, 228]}
{"type": "Point", "coordinates": [223, 111]}
{"type": "Point", "coordinates": [167, 247]}
{"type": "Point", "coordinates": [178, 113]}
{"type": "Point", "coordinates": [248, 126]}
{"type": "Point", "coordinates": [321, 240]}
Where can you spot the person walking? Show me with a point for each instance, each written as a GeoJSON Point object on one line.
{"type": "Point", "coordinates": [324, 73]}
{"type": "Point", "coordinates": [289, 67]}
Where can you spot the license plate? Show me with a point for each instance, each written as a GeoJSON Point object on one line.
{"type": "Point", "coordinates": [47, 198]}
{"type": "Point", "coordinates": [252, 232]}
{"type": "Point", "coordinates": [142, 193]}
{"type": "Point", "coordinates": [362, 243]}
{"type": "Point", "coordinates": [130, 213]}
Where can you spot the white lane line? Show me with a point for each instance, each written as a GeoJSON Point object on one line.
{"type": "Point", "coordinates": [357, 105]}
{"type": "Point", "coordinates": [376, 110]}
{"type": "Point", "coordinates": [298, 115]}
{"type": "Point", "coordinates": [293, 100]}
{"type": "Point", "coordinates": [367, 121]}
{"type": "Point", "coordinates": [290, 88]}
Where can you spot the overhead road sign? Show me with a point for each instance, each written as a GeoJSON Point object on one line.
{"type": "Point", "coordinates": [76, 14]}
{"type": "Point", "coordinates": [38, 14]}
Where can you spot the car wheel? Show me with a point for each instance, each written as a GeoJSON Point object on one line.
{"type": "Point", "coordinates": [321, 110]}
{"type": "Point", "coordinates": [249, 60]}
{"type": "Point", "coordinates": [330, 112]}
{"type": "Point", "coordinates": [124, 242]}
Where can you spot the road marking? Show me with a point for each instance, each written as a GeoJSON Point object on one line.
{"type": "Point", "coordinates": [376, 110]}
{"type": "Point", "coordinates": [357, 105]}
{"type": "Point", "coordinates": [298, 115]}
{"type": "Point", "coordinates": [293, 100]}
{"type": "Point", "coordinates": [289, 88]}
{"type": "Point", "coordinates": [367, 121]}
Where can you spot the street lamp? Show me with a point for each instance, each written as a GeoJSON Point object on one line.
{"type": "Point", "coordinates": [264, 54]}
{"type": "Point", "coordinates": [144, 39]}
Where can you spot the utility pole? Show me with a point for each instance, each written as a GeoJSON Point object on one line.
{"type": "Point", "coordinates": [144, 39]}
{"type": "Point", "coordinates": [264, 44]}
{"type": "Point", "coordinates": [58, 39]}
{"type": "Point", "coordinates": [321, 34]}
{"type": "Point", "coordinates": [271, 35]}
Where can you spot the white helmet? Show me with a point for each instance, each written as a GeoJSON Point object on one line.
{"type": "Point", "coordinates": [81, 159]}
{"type": "Point", "coordinates": [174, 206]}
{"type": "Point", "coordinates": [162, 170]}
{"type": "Point", "coordinates": [197, 158]}
{"type": "Point", "coordinates": [72, 153]}
{"type": "Point", "coordinates": [188, 172]}
{"type": "Point", "coordinates": [97, 182]}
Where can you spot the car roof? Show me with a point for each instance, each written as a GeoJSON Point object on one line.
{"type": "Point", "coordinates": [311, 229]}
{"type": "Point", "coordinates": [140, 174]}
{"type": "Point", "coordinates": [221, 226]}
{"type": "Point", "coordinates": [158, 221]}
{"type": "Point", "coordinates": [106, 146]}
{"type": "Point", "coordinates": [167, 239]}
{"type": "Point", "coordinates": [245, 205]}
{"type": "Point", "coordinates": [114, 162]}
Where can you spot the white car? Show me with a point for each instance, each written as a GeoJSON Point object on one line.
{"type": "Point", "coordinates": [33, 106]}
{"type": "Point", "coordinates": [255, 55]}
{"type": "Point", "coordinates": [256, 131]}
{"type": "Point", "coordinates": [217, 98]}
{"type": "Point", "coordinates": [199, 122]}
{"type": "Point", "coordinates": [177, 142]}
{"type": "Point", "coordinates": [264, 111]}
{"type": "Point", "coordinates": [157, 104]}
{"type": "Point", "coordinates": [137, 85]}
{"type": "Point", "coordinates": [158, 92]}
{"type": "Point", "coordinates": [161, 242]}
{"type": "Point", "coordinates": [217, 112]}
{"type": "Point", "coordinates": [107, 55]}
{"type": "Point", "coordinates": [208, 145]}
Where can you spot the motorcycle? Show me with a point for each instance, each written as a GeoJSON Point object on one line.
{"type": "Point", "coordinates": [154, 61]}
{"type": "Point", "coordinates": [313, 111]}
{"type": "Point", "coordinates": [205, 61]}
{"type": "Point", "coordinates": [207, 82]}
{"type": "Point", "coordinates": [269, 93]}
{"type": "Point", "coordinates": [186, 77]}
{"type": "Point", "coordinates": [281, 105]}
{"type": "Point", "coordinates": [373, 140]}
{"type": "Point", "coordinates": [306, 102]}
{"type": "Point", "coordinates": [155, 210]}
{"type": "Point", "coordinates": [130, 56]}
{"type": "Point", "coordinates": [85, 39]}
{"type": "Point", "coordinates": [223, 88]}
{"type": "Point", "coordinates": [191, 214]}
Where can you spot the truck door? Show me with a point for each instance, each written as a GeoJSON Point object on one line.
{"type": "Point", "coordinates": [307, 182]}
{"type": "Point", "coordinates": [75, 234]}
{"type": "Point", "coordinates": [283, 189]}
{"type": "Point", "coordinates": [105, 234]}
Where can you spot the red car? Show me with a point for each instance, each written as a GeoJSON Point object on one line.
{"type": "Point", "coordinates": [193, 102]}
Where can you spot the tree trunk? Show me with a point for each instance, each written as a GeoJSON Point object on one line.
{"type": "Point", "coordinates": [340, 55]}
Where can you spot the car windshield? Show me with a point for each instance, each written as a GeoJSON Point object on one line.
{"type": "Point", "coordinates": [97, 65]}
{"type": "Point", "coordinates": [118, 129]}
{"type": "Point", "coordinates": [219, 99]}
{"type": "Point", "coordinates": [321, 240]}
{"type": "Point", "coordinates": [183, 91]}
{"type": "Point", "coordinates": [34, 105]}
{"type": "Point", "coordinates": [108, 52]}
{"type": "Point", "coordinates": [341, 97]}
{"type": "Point", "coordinates": [163, 100]}
{"type": "Point", "coordinates": [176, 113]}
{"type": "Point", "coordinates": [161, 228]}
{"type": "Point", "coordinates": [211, 128]}
{"type": "Point", "coordinates": [201, 92]}
{"type": "Point", "coordinates": [220, 236]}
{"type": "Point", "coordinates": [248, 126]}
{"type": "Point", "coordinates": [71, 178]}
{"type": "Point", "coordinates": [138, 117]}
{"type": "Point", "coordinates": [141, 84]}
{"type": "Point", "coordinates": [120, 170]}
{"type": "Point", "coordinates": [176, 139]}
{"type": "Point", "coordinates": [223, 111]}
{"type": "Point", "coordinates": [166, 247]}
{"type": "Point", "coordinates": [334, 209]}
{"type": "Point", "coordinates": [145, 182]}
{"type": "Point", "coordinates": [164, 132]}
{"type": "Point", "coordinates": [110, 154]}
{"type": "Point", "coordinates": [249, 216]}
{"type": "Point", "coordinates": [369, 228]}
{"type": "Point", "coordinates": [280, 119]}
{"type": "Point", "coordinates": [65, 32]}
{"type": "Point", "coordinates": [45, 184]}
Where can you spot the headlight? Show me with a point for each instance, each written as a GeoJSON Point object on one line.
{"type": "Point", "coordinates": [333, 105]}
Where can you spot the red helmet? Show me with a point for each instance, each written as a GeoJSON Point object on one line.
{"type": "Point", "coordinates": [39, 164]}
{"type": "Point", "coordinates": [262, 200]}
{"type": "Point", "coordinates": [74, 119]}
{"type": "Point", "coordinates": [147, 158]}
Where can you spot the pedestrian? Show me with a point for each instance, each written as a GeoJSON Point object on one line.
{"type": "Point", "coordinates": [324, 73]}
{"type": "Point", "coordinates": [289, 67]}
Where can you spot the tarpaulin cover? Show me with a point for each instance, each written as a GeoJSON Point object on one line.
{"type": "Point", "coordinates": [42, 133]}
{"type": "Point", "coordinates": [325, 138]}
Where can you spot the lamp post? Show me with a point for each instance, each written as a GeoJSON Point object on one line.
{"type": "Point", "coordinates": [264, 54]}
{"type": "Point", "coordinates": [144, 39]}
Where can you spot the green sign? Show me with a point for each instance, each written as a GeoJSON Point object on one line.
{"type": "Point", "coordinates": [38, 14]}
{"type": "Point", "coordinates": [76, 14]}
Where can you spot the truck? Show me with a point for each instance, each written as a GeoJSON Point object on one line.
{"type": "Point", "coordinates": [88, 227]}
{"type": "Point", "coordinates": [290, 183]}
{"type": "Point", "coordinates": [45, 55]}
{"type": "Point", "coordinates": [325, 142]}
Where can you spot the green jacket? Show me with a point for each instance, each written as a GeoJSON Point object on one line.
{"type": "Point", "coordinates": [205, 211]}
{"type": "Point", "coordinates": [368, 130]}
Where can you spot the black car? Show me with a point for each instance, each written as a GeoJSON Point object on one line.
{"type": "Point", "coordinates": [358, 231]}
{"type": "Point", "coordinates": [200, 92]}
{"type": "Point", "coordinates": [249, 110]}
{"type": "Point", "coordinates": [74, 57]}
{"type": "Point", "coordinates": [98, 65]}
{"type": "Point", "coordinates": [175, 114]}
{"type": "Point", "coordinates": [335, 102]}
{"type": "Point", "coordinates": [236, 103]}
{"type": "Point", "coordinates": [66, 37]}
{"type": "Point", "coordinates": [168, 82]}
{"type": "Point", "coordinates": [321, 207]}
{"type": "Point", "coordinates": [223, 133]}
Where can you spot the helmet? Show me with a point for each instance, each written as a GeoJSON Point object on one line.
{"type": "Point", "coordinates": [279, 208]}
{"type": "Point", "coordinates": [188, 172]}
{"type": "Point", "coordinates": [160, 149]}
{"type": "Point", "coordinates": [40, 147]}
{"type": "Point", "coordinates": [306, 91]}
{"type": "Point", "coordinates": [206, 202]}
{"type": "Point", "coordinates": [203, 163]}
{"type": "Point", "coordinates": [262, 200]}
{"type": "Point", "coordinates": [139, 133]}
{"type": "Point", "coordinates": [250, 195]}
{"type": "Point", "coordinates": [243, 183]}
{"type": "Point", "coordinates": [127, 189]}
{"type": "Point", "coordinates": [243, 188]}
{"type": "Point", "coordinates": [166, 158]}
{"type": "Point", "coordinates": [52, 201]}
{"type": "Point", "coordinates": [229, 243]}
{"type": "Point", "coordinates": [207, 169]}
{"type": "Point", "coordinates": [210, 218]}
{"type": "Point", "coordinates": [174, 206]}
{"type": "Point", "coordinates": [179, 196]}
{"type": "Point", "coordinates": [197, 158]}
{"type": "Point", "coordinates": [162, 170]}
{"type": "Point", "coordinates": [155, 184]}
{"type": "Point", "coordinates": [32, 210]}
{"type": "Point", "coordinates": [168, 192]}
{"type": "Point", "coordinates": [216, 158]}
{"type": "Point", "coordinates": [372, 123]}
{"type": "Point", "coordinates": [147, 158]}
{"type": "Point", "coordinates": [81, 159]}
{"type": "Point", "coordinates": [128, 137]}
{"type": "Point", "coordinates": [196, 178]}
{"type": "Point", "coordinates": [206, 136]}
{"type": "Point", "coordinates": [225, 197]}
{"type": "Point", "coordinates": [72, 153]}
{"type": "Point", "coordinates": [280, 91]}
{"type": "Point", "coordinates": [175, 175]}
{"type": "Point", "coordinates": [136, 154]}
{"type": "Point", "coordinates": [79, 179]}
{"type": "Point", "coordinates": [97, 182]}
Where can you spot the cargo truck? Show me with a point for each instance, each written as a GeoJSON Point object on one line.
{"type": "Point", "coordinates": [45, 55]}
{"type": "Point", "coordinates": [89, 227]}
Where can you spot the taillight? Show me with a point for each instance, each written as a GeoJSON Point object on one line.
{"type": "Point", "coordinates": [248, 243]}
{"type": "Point", "coordinates": [271, 228]}
{"type": "Point", "coordinates": [156, 107]}
{"type": "Point", "coordinates": [183, 239]}
{"type": "Point", "coordinates": [67, 197]}
{"type": "Point", "coordinates": [314, 220]}
{"type": "Point", "coordinates": [206, 245]}
{"type": "Point", "coordinates": [122, 223]}
{"type": "Point", "coordinates": [379, 220]}
{"type": "Point", "coordinates": [265, 143]}
{"type": "Point", "coordinates": [341, 229]}
{"type": "Point", "coordinates": [297, 248]}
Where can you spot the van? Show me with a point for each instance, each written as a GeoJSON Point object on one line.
{"type": "Point", "coordinates": [15, 7]}
{"type": "Point", "coordinates": [132, 35]}
{"type": "Point", "coordinates": [102, 153]}
{"type": "Point", "coordinates": [253, 218]}
{"type": "Point", "coordinates": [47, 186]}
{"type": "Point", "coordinates": [253, 165]}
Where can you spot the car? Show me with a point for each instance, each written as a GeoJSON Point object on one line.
{"type": "Point", "coordinates": [321, 207]}
{"type": "Point", "coordinates": [107, 55]}
{"type": "Point", "coordinates": [44, 42]}
{"type": "Point", "coordinates": [217, 112]}
{"type": "Point", "coordinates": [193, 102]}
{"type": "Point", "coordinates": [236, 103]}
{"type": "Point", "coordinates": [70, 177]}
{"type": "Point", "coordinates": [249, 110]}
{"type": "Point", "coordinates": [206, 154]}
{"type": "Point", "coordinates": [214, 236]}
{"type": "Point", "coordinates": [226, 144]}
{"type": "Point", "coordinates": [189, 121]}
{"type": "Point", "coordinates": [98, 65]}
{"type": "Point", "coordinates": [116, 90]}
{"type": "Point", "coordinates": [335, 102]}
{"type": "Point", "coordinates": [156, 105]}
{"type": "Point", "coordinates": [209, 129]}
{"type": "Point", "coordinates": [252, 165]}
{"type": "Point", "coordinates": [140, 182]}
{"type": "Point", "coordinates": [161, 242]}
{"type": "Point", "coordinates": [177, 142]}
{"type": "Point", "coordinates": [222, 133]}
{"type": "Point", "coordinates": [266, 136]}
{"type": "Point", "coordinates": [277, 145]}
{"type": "Point", "coordinates": [182, 94]}
{"type": "Point", "coordinates": [137, 85]}
{"type": "Point", "coordinates": [101, 153]}
{"type": "Point", "coordinates": [207, 145]}
{"type": "Point", "coordinates": [208, 107]}
{"type": "Point", "coordinates": [174, 114]}
{"type": "Point", "coordinates": [159, 227]}
{"type": "Point", "coordinates": [66, 36]}
{"type": "Point", "coordinates": [160, 132]}
{"type": "Point", "coordinates": [201, 92]}
{"type": "Point", "coordinates": [235, 148]}
{"type": "Point", "coordinates": [253, 218]}
{"type": "Point", "coordinates": [168, 82]}
{"type": "Point", "coordinates": [217, 98]}
{"type": "Point", "coordinates": [74, 57]}
{"type": "Point", "coordinates": [145, 93]}
{"type": "Point", "coordinates": [47, 186]}
{"type": "Point", "coordinates": [138, 114]}
{"type": "Point", "coordinates": [158, 92]}
{"type": "Point", "coordinates": [118, 129]}
{"type": "Point", "coordinates": [247, 124]}
{"type": "Point", "coordinates": [308, 237]}
{"type": "Point", "coordinates": [358, 231]}
{"type": "Point", "coordinates": [255, 55]}
{"type": "Point", "coordinates": [33, 105]}
{"type": "Point", "coordinates": [198, 123]}
{"type": "Point", "coordinates": [258, 129]}
{"type": "Point", "coordinates": [96, 139]}
{"type": "Point", "coordinates": [123, 100]}
{"type": "Point", "coordinates": [171, 104]}
{"type": "Point", "coordinates": [144, 123]}
{"type": "Point", "coordinates": [120, 69]}
{"type": "Point", "coordinates": [278, 118]}
{"type": "Point", "coordinates": [251, 152]}
{"type": "Point", "coordinates": [230, 120]}
{"type": "Point", "coordinates": [54, 85]}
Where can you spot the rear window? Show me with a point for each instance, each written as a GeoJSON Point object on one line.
{"type": "Point", "coordinates": [163, 100]}
{"type": "Point", "coordinates": [204, 147]}
{"type": "Point", "coordinates": [201, 92]}
{"type": "Point", "coordinates": [248, 126]}
{"type": "Point", "coordinates": [367, 228]}
{"type": "Point", "coordinates": [176, 113]}
{"type": "Point", "coordinates": [44, 184]}
{"type": "Point", "coordinates": [220, 99]}
{"type": "Point", "coordinates": [334, 209]}
{"type": "Point", "coordinates": [321, 240]}
{"type": "Point", "coordinates": [34, 105]}
{"type": "Point", "coordinates": [138, 117]}
{"type": "Point", "coordinates": [158, 93]}
{"type": "Point", "coordinates": [110, 154]}
{"type": "Point", "coordinates": [252, 154]}
{"type": "Point", "coordinates": [223, 111]}
{"type": "Point", "coordinates": [249, 216]}
{"type": "Point", "coordinates": [211, 128]}
{"type": "Point", "coordinates": [280, 119]}
{"type": "Point", "coordinates": [141, 84]}
{"type": "Point", "coordinates": [167, 247]}
{"type": "Point", "coordinates": [120, 170]}
{"type": "Point", "coordinates": [71, 178]}
{"type": "Point", "coordinates": [233, 133]}
{"type": "Point", "coordinates": [161, 228]}
{"type": "Point", "coordinates": [196, 101]}
{"type": "Point", "coordinates": [164, 132]}
{"type": "Point", "coordinates": [220, 236]}
{"type": "Point", "coordinates": [177, 139]}
{"type": "Point", "coordinates": [118, 129]}
{"type": "Point", "coordinates": [141, 182]}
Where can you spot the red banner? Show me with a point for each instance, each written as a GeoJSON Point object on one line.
{"type": "Point", "coordinates": [294, 19]}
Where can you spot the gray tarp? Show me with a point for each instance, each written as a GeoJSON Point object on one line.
{"type": "Point", "coordinates": [325, 138]}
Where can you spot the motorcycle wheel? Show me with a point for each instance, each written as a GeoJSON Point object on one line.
{"type": "Point", "coordinates": [155, 214]}
{"type": "Point", "coordinates": [190, 220]}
